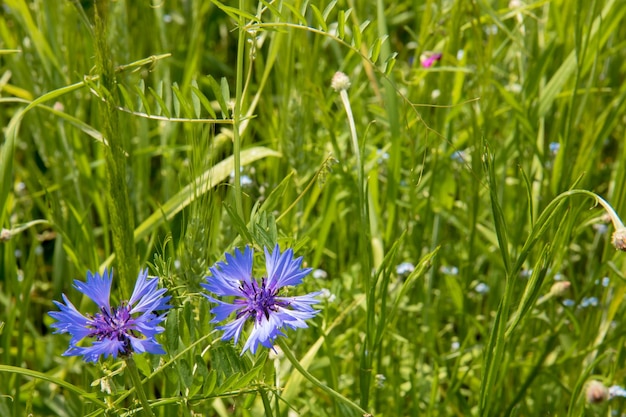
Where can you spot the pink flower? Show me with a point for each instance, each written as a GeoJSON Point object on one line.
{"type": "Point", "coordinates": [428, 59]}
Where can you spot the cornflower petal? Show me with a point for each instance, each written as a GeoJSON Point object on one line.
{"type": "Point", "coordinates": [146, 296]}
{"type": "Point", "coordinates": [70, 320]}
{"type": "Point", "coordinates": [233, 329]}
{"type": "Point", "coordinates": [98, 288]}
{"type": "Point", "coordinates": [146, 345]}
{"type": "Point", "coordinates": [106, 347]}
{"type": "Point", "coordinates": [283, 270]}
{"type": "Point", "coordinates": [227, 276]}
{"type": "Point", "coordinates": [263, 332]}
{"type": "Point", "coordinates": [223, 310]}
{"type": "Point", "coordinates": [302, 302]}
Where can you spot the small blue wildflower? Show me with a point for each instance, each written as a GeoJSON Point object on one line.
{"type": "Point", "coordinates": [325, 294]}
{"type": "Point", "coordinates": [405, 268]}
{"type": "Point", "coordinates": [381, 156]}
{"type": "Point", "coordinates": [380, 381]}
{"type": "Point", "coordinates": [246, 181]}
{"type": "Point", "coordinates": [130, 327]}
{"type": "Point", "coordinates": [616, 391]}
{"type": "Point", "coordinates": [600, 228]}
{"type": "Point", "coordinates": [525, 273]}
{"type": "Point", "coordinates": [554, 147]}
{"type": "Point", "coordinates": [588, 302]}
{"type": "Point", "coordinates": [481, 288]}
{"type": "Point", "coordinates": [459, 156]}
{"type": "Point", "coordinates": [319, 274]}
{"type": "Point", "coordinates": [449, 270]}
{"type": "Point", "coordinates": [569, 302]}
{"type": "Point", "coordinates": [491, 29]}
{"type": "Point", "coordinates": [606, 281]}
{"type": "Point", "coordinates": [257, 301]}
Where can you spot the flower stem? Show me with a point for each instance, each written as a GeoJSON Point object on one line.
{"type": "Point", "coordinates": [355, 140]}
{"type": "Point", "coordinates": [290, 356]}
{"type": "Point", "coordinates": [134, 375]}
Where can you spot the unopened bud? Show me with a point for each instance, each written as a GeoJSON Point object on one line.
{"type": "Point", "coordinates": [5, 234]}
{"type": "Point", "coordinates": [340, 81]}
{"type": "Point", "coordinates": [619, 239]}
{"type": "Point", "coordinates": [596, 392]}
{"type": "Point", "coordinates": [560, 288]}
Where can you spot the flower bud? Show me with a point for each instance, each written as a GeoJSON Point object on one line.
{"type": "Point", "coordinates": [596, 392]}
{"type": "Point", "coordinates": [560, 288]}
{"type": "Point", "coordinates": [340, 81]}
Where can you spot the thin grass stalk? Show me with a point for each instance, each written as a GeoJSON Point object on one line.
{"type": "Point", "coordinates": [241, 43]}
{"type": "Point", "coordinates": [391, 105]}
{"type": "Point", "coordinates": [337, 396]}
{"type": "Point", "coordinates": [122, 221]}
{"type": "Point", "coordinates": [134, 376]}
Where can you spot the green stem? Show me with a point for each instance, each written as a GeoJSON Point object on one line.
{"type": "Point", "coordinates": [121, 217]}
{"type": "Point", "coordinates": [241, 43]}
{"type": "Point", "coordinates": [355, 140]}
{"type": "Point", "coordinates": [290, 356]}
{"type": "Point", "coordinates": [134, 375]}
{"type": "Point", "coordinates": [367, 353]}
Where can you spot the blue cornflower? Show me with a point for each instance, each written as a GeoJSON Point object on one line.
{"type": "Point", "coordinates": [130, 327]}
{"type": "Point", "coordinates": [259, 302]}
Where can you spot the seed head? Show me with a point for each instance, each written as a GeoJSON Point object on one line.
{"type": "Point", "coordinates": [340, 81]}
{"type": "Point", "coordinates": [619, 239]}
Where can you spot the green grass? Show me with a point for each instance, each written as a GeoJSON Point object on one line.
{"type": "Point", "coordinates": [124, 145]}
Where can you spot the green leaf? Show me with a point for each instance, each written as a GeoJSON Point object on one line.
{"type": "Point", "coordinates": [143, 104]}
{"type": "Point", "coordinates": [329, 9]}
{"type": "Point", "coordinates": [217, 91]}
{"type": "Point", "coordinates": [171, 332]}
{"type": "Point", "coordinates": [127, 100]}
{"type": "Point", "coordinates": [226, 94]}
{"type": "Point", "coordinates": [204, 101]}
{"type": "Point", "coordinates": [195, 100]}
{"type": "Point", "coordinates": [184, 372]}
{"type": "Point", "coordinates": [161, 107]}
{"type": "Point", "coordinates": [319, 18]}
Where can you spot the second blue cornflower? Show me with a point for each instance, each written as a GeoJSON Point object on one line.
{"type": "Point", "coordinates": [259, 301]}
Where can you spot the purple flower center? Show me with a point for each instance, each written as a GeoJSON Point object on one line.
{"type": "Point", "coordinates": [115, 326]}
{"type": "Point", "coordinates": [260, 301]}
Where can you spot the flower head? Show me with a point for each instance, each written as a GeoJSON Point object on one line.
{"type": "Point", "coordinates": [340, 81]}
{"type": "Point", "coordinates": [428, 59]}
{"type": "Point", "coordinates": [259, 301]}
{"type": "Point", "coordinates": [596, 392]}
{"type": "Point", "coordinates": [619, 238]}
{"type": "Point", "coordinates": [127, 328]}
